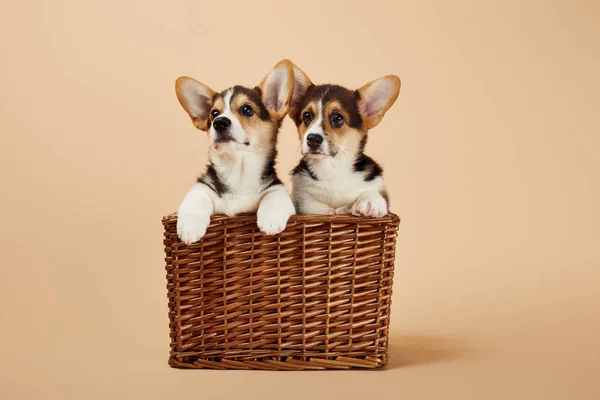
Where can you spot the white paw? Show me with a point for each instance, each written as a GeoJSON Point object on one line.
{"type": "Point", "coordinates": [272, 222]}
{"type": "Point", "coordinates": [192, 227]}
{"type": "Point", "coordinates": [343, 210]}
{"type": "Point", "coordinates": [369, 208]}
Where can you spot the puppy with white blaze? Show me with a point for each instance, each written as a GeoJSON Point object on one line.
{"type": "Point", "coordinates": [335, 176]}
{"type": "Point", "coordinates": [242, 126]}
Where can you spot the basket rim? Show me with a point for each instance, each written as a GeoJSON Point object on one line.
{"type": "Point", "coordinates": [215, 219]}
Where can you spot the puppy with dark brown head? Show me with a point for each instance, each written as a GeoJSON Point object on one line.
{"type": "Point", "coordinates": [242, 126]}
{"type": "Point", "coordinates": [335, 176]}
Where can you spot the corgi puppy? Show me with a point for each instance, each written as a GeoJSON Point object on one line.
{"type": "Point", "coordinates": [335, 176]}
{"type": "Point", "coordinates": [242, 125]}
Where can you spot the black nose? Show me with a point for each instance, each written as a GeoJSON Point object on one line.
{"type": "Point", "coordinates": [221, 124]}
{"type": "Point", "coordinates": [314, 140]}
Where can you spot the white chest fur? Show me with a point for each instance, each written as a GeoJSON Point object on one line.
{"type": "Point", "coordinates": [337, 183]}
{"type": "Point", "coordinates": [241, 172]}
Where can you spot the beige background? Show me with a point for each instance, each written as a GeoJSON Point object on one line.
{"type": "Point", "coordinates": [491, 155]}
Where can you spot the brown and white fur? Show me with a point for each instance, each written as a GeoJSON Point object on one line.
{"type": "Point", "coordinates": [335, 176]}
{"type": "Point", "coordinates": [242, 126]}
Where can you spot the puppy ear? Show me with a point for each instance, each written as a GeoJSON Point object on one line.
{"type": "Point", "coordinates": [277, 88]}
{"type": "Point", "coordinates": [376, 97]}
{"type": "Point", "coordinates": [301, 85]}
{"type": "Point", "coordinates": [196, 100]}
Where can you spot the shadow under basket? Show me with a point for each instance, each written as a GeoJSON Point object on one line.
{"type": "Point", "coordinates": [316, 296]}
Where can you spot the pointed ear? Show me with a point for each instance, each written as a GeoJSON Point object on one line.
{"type": "Point", "coordinates": [277, 88]}
{"type": "Point", "coordinates": [376, 98]}
{"type": "Point", "coordinates": [196, 100]}
{"type": "Point", "coordinates": [301, 85]}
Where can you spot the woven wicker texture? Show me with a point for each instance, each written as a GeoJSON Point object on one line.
{"type": "Point", "coordinates": [316, 296]}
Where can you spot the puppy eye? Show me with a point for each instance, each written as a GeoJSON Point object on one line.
{"type": "Point", "coordinates": [215, 113]}
{"type": "Point", "coordinates": [337, 120]}
{"type": "Point", "coordinates": [247, 110]}
{"type": "Point", "coordinates": [307, 117]}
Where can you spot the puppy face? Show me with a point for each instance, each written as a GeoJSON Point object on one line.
{"type": "Point", "coordinates": [332, 119]}
{"type": "Point", "coordinates": [239, 118]}
{"type": "Point", "coordinates": [328, 121]}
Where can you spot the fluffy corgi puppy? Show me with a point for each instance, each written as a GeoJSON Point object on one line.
{"type": "Point", "coordinates": [335, 176]}
{"type": "Point", "coordinates": [242, 126]}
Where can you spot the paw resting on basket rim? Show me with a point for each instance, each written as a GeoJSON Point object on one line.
{"type": "Point", "coordinates": [272, 222]}
{"type": "Point", "coordinates": [191, 227]}
{"type": "Point", "coordinates": [343, 210]}
{"type": "Point", "coordinates": [372, 206]}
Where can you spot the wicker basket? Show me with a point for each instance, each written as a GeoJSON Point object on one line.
{"type": "Point", "coordinates": [316, 296]}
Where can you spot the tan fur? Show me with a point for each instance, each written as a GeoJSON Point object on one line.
{"type": "Point", "coordinates": [218, 105]}
{"type": "Point", "coordinates": [343, 137]}
{"type": "Point", "coordinates": [261, 130]}
{"type": "Point", "coordinates": [312, 108]}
